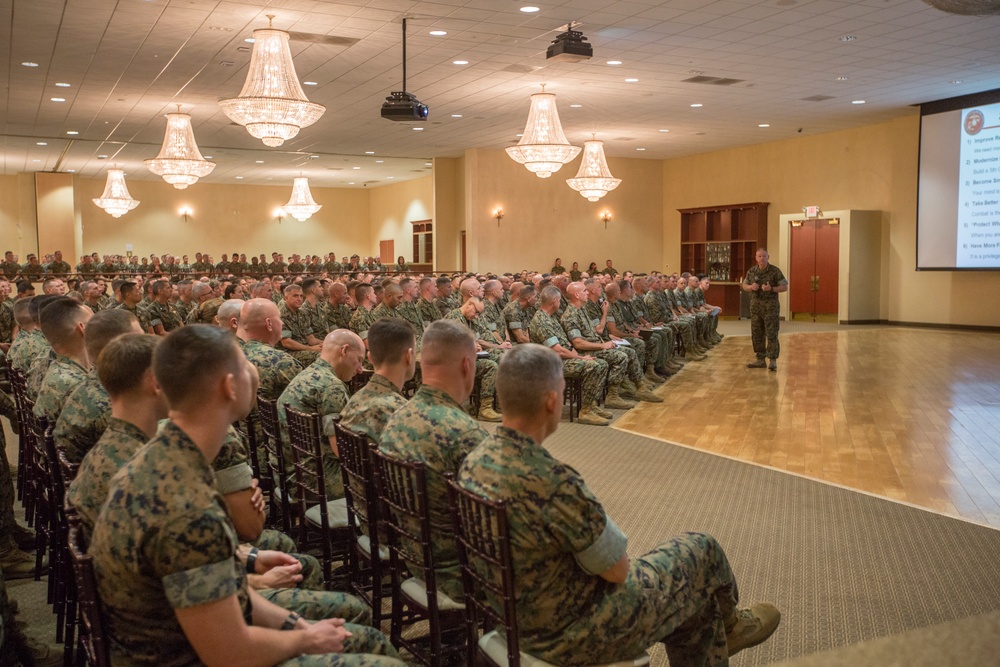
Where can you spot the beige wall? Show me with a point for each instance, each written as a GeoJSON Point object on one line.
{"type": "Point", "coordinates": [225, 218]}
{"type": "Point", "coordinates": [394, 208]}
{"type": "Point", "coordinates": [873, 168]}
{"type": "Point", "coordinates": [545, 219]}
{"type": "Point", "coordinates": [448, 213]}
{"type": "Point", "coordinates": [15, 238]}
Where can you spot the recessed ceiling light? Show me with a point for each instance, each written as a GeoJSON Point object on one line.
{"type": "Point", "coordinates": [614, 62]}
{"type": "Point", "coordinates": [102, 157]}
{"type": "Point", "coordinates": [575, 106]}
{"type": "Point", "coordinates": [664, 130]}
{"type": "Point", "coordinates": [72, 132]}
{"type": "Point", "coordinates": [239, 178]}
{"type": "Point", "coordinates": [459, 62]}
{"type": "Point", "coordinates": [259, 161]}
{"type": "Point", "coordinates": [29, 64]}
{"type": "Point", "coordinates": [763, 125]}
{"type": "Point", "coordinates": [843, 78]}
{"type": "Point", "coordinates": [62, 85]}
{"type": "Point", "coordinates": [428, 164]}
{"type": "Point", "coordinates": [208, 157]}
{"type": "Point", "coordinates": [696, 106]}
{"type": "Point", "coordinates": [456, 115]}
{"type": "Point", "coordinates": [355, 167]}
{"type": "Point", "coordinates": [41, 143]}
{"type": "Point", "coordinates": [957, 81]}
{"type": "Point", "coordinates": [631, 80]}
{"type": "Point", "coordinates": [438, 33]}
{"type": "Point", "coordinates": [529, 9]}
{"type": "Point", "coordinates": [350, 182]}
{"type": "Point", "coordinates": [71, 171]}
{"type": "Point", "coordinates": [390, 177]}
{"type": "Point", "coordinates": [36, 160]}
{"type": "Point", "coordinates": [57, 99]}
{"type": "Point", "coordinates": [379, 161]}
{"type": "Point", "coordinates": [309, 83]}
{"type": "Point", "coordinates": [640, 149]}
{"type": "Point", "coordinates": [369, 152]}
{"type": "Point", "coordinates": [857, 101]}
{"type": "Point", "coordinates": [249, 40]}
{"type": "Point", "coordinates": [313, 157]}
{"type": "Point", "coordinates": [418, 129]}
{"type": "Point", "coordinates": [849, 38]}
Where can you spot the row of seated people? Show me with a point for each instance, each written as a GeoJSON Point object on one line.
{"type": "Point", "coordinates": [204, 265]}
{"type": "Point", "coordinates": [167, 530]}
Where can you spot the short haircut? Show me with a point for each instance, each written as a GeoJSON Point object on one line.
{"type": "Point", "coordinates": [123, 362]}
{"type": "Point", "coordinates": [59, 318]}
{"type": "Point", "coordinates": [527, 291]}
{"type": "Point", "coordinates": [526, 374]}
{"type": "Point", "coordinates": [160, 286]}
{"type": "Point", "coordinates": [126, 288]}
{"type": "Point", "coordinates": [22, 311]}
{"type": "Point", "coordinates": [362, 291]}
{"type": "Point", "coordinates": [444, 340]}
{"type": "Point", "coordinates": [189, 358]}
{"type": "Point", "coordinates": [104, 327]}
{"type": "Point", "coordinates": [50, 282]}
{"type": "Point", "coordinates": [200, 290]}
{"type": "Point", "coordinates": [550, 294]}
{"type": "Point", "coordinates": [443, 280]}
{"type": "Point", "coordinates": [36, 303]}
{"type": "Point", "coordinates": [25, 286]}
{"type": "Point", "coordinates": [388, 340]}
{"type": "Point", "coordinates": [289, 288]}
{"type": "Point", "coordinates": [309, 284]}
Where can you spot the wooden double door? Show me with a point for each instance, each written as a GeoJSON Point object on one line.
{"type": "Point", "coordinates": [814, 271]}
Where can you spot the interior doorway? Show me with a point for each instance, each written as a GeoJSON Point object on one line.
{"type": "Point", "coordinates": [814, 269]}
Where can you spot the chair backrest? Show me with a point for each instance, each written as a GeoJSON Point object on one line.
{"type": "Point", "coordinates": [482, 538]}
{"type": "Point", "coordinates": [267, 412]}
{"type": "Point", "coordinates": [68, 469]}
{"type": "Point", "coordinates": [247, 431]}
{"type": "Point", "coordinates": [306, 441]}
{"type": "Point", "coordinates": [405, 513]}
{"type": "Point", "coordinates": [93, 635]}
{"type": "Point", "coordinates": [359, 485]}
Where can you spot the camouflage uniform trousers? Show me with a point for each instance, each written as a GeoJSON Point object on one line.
{"type": "Point", "coordinates": [681, 594]}
{"type": "Point", "coordinates": [661, 347]}
{"type": "Point", "coordinates": [704, 324]}
{"type": "Point", "coordinates": [636, 353]}
{"type": "Point", "coordinates": [593, 372]}
{"type": "Point", "coordinates": [618, 364]}
{"type": "Point", "coordinates": [304, 357]}
{"type": "Point", "coordinates": [486, 373]}
{"type": "Point", "coordinates": [764, 328]}
{"type": "Point", "coordinates": [684, 328]}
{"type": "Point", "coordinates": [7, 521]}
{"type": "Point", "coordinates": [366, 647]}
{"type": "Point", "coordinates": [275, 540]}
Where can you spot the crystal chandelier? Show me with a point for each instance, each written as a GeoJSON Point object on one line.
{"type": "Point", "coordinates": [272, 105]}
{"type": "Point", "coordinates": [594, 180]}
{"type": "Point", "coordinates": [116, 200]}
{"type": "Point", "coordinates": [543, 147]}
{"type": "Point", "coordinates": [180, 162]}
{"type": "Point", "coordinates": [301, 204]}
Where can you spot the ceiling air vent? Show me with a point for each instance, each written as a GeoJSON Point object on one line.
{"type": "Point", "coordinates": [713, 80]}
{"type": "Point", "coordinates": [817, 98]}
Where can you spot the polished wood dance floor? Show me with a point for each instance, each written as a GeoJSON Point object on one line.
{"type": "Point", "coordinates": [908, 414]}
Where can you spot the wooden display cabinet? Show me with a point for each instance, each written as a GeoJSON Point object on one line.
{"type": "Point", "coordinates": [720, 242]}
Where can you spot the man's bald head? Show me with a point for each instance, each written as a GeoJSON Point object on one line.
{"type": "Point", "coordinates": [576, 291]}
{"type": "Point", "coordinates": [444, 343]}
{"type": "Point", "coordinates": [260, 320]}
{"type": "Point", "coordinates": [343, 350]}
{"type": "Point", "coordinates": [470, 287]}
{"type": "Point", "coordinates": [612, 290]}
{"type": "Point", "coordinates": [561, 281]}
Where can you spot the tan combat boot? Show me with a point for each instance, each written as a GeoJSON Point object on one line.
{"type": "Point", "coordinates": [645, 393]}
{"type": "Point", "coordinates": [651, 375]}
{"type": "Point", "coordinates": [488, 414]}
{"type": "Point", "coordinates": [615, 401]}
{"type": "Point", "coordinates": [750, 627]}
{"type": "Point", "coordinates": [588, 415]}
{"type": "Point", "coordinates": [607, 414]}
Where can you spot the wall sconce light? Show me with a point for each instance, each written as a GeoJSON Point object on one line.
{"type": "Point", "coordinates": [279, 214]}
{"type": "Point", "coordinates": [498, 214]}
{"type": "Point", "coordinates": [606, 218]}
{"type": "Point", "coordinates": [186, 213]}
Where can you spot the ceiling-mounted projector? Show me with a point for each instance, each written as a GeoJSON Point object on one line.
{"type": "Point", "coordinates": [401, 105]}
{"type": "Point", "coordinates": [570, 47]}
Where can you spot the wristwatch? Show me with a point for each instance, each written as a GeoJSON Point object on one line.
{"type": "Point", "coordinates": [252, 561]}
{"type": "Point", "coordinates": [290, 622]}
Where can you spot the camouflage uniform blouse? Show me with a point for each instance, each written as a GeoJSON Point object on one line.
{"type": "Point", "coordinates": [317, 390]}
{"type": "Point", "coordinates": [275, 367]}
{"type": "Point", "coordinates": [116, 447]}
{"type": "Point", "coordinates": [163, 541]}
{"type": "Point", "coordinates": [369, 409]}
{"type": "Point", "coordinates": [560, 539]}
{"type": "Point", "coordinates": [83, 419]}
{"type": "Point", "coordinates": [435, 429]}
{"type": "Point", "coordinates": [26, 347]}
{"type": "Point", "coordinates": [62, 377]}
